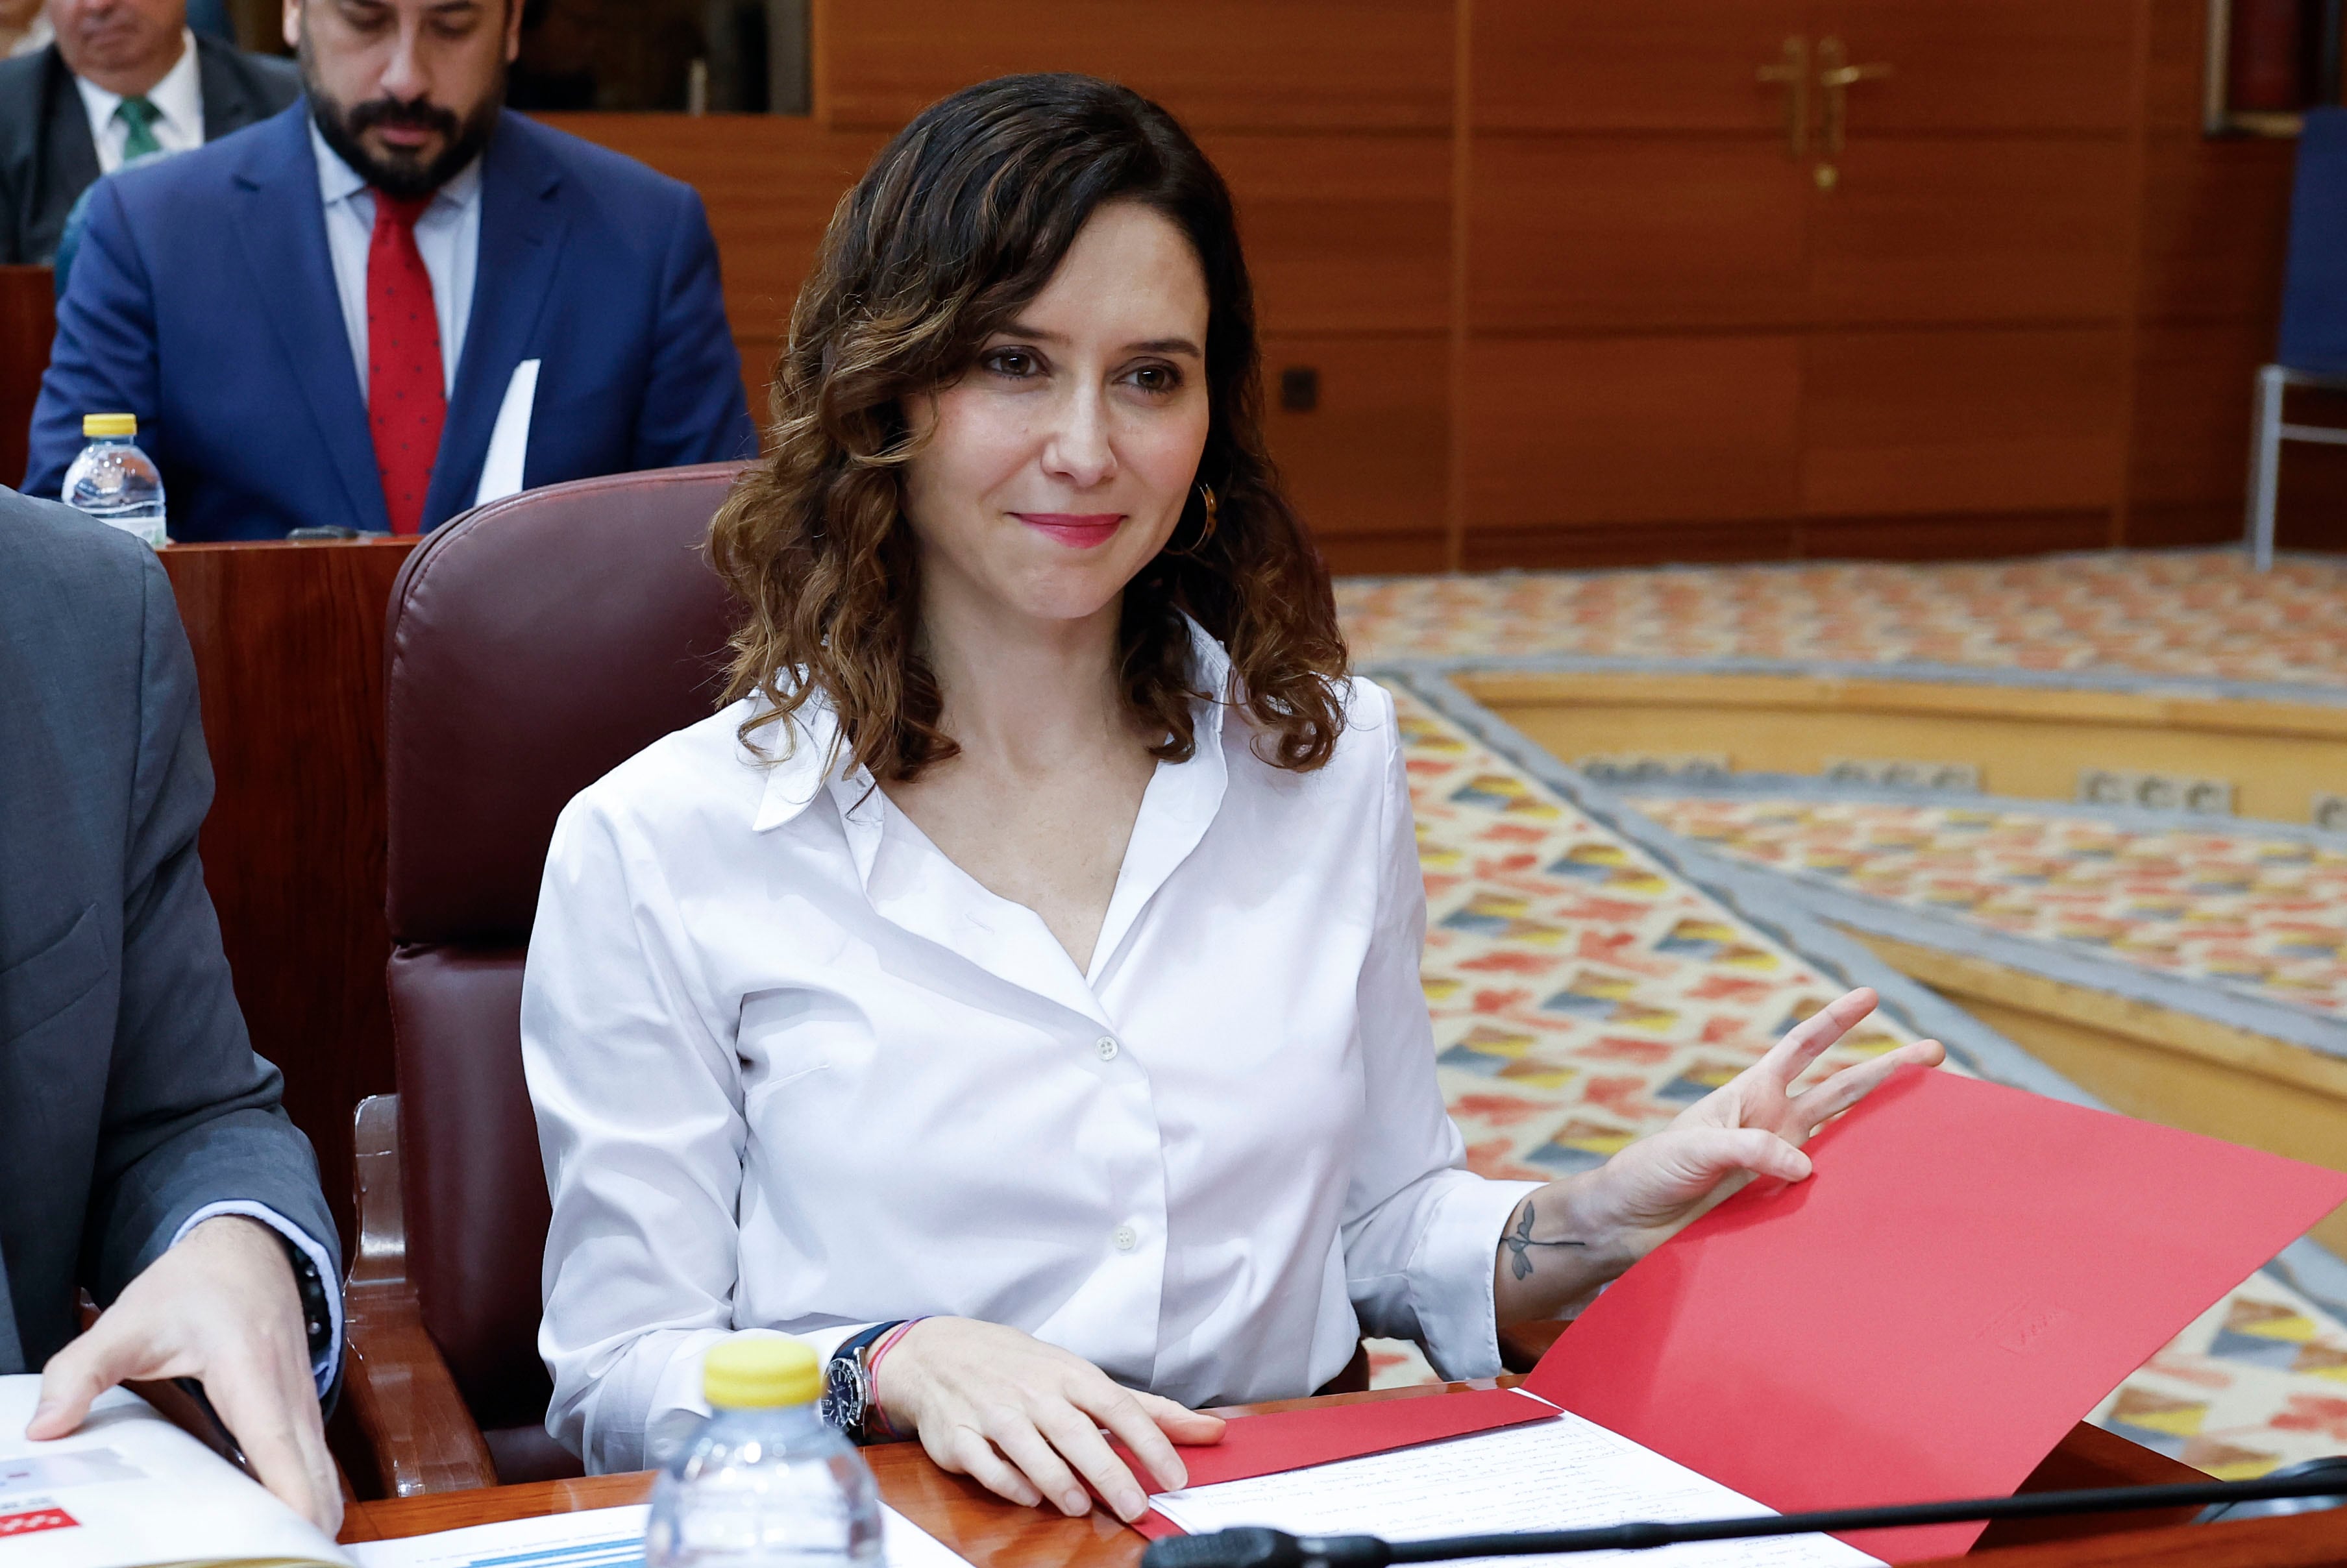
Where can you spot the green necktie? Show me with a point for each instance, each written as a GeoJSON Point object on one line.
{"type": "Point", "coordinates": [140, 116]}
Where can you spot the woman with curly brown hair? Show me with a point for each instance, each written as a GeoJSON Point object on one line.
{"type": "Point", "coordinates": [1014, 990]}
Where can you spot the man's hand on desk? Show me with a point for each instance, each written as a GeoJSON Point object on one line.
{"type": "Point", "coordinates": [1022, 1419]}
{"type": "Point", "coordinates": [221, 1307]}
{"type": "Point", "coordinates": [1565, 1240]}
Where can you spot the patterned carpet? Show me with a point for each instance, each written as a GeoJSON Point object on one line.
{"type": "Point", "coordinates": [2201, 614]}
{"type": "Point", "coordinates": [2257, 915]}
{"type": "Point", "coordinates": [1583, 992]}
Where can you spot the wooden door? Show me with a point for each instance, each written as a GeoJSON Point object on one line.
{"type": "Point", "coordinates": [1684, 341]}
{"type": "Point", "coordinates": [1636, 278]}
{"type": "Point", "coordinates": [1970, 277]}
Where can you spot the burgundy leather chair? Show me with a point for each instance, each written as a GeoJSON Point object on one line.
{"type": "Point", "coordinates": [533, 644]}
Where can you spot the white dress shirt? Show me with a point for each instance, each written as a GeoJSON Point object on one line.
{"type": "Point", "coordinates": [448, 235]}
{"type": "Point", "coordinates": [178, 100]}
{"type": "Point", "coordinates": [796, 1069]}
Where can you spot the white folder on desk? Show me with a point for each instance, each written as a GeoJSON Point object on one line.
{"type": "Point", "coordinates": [509, 437]}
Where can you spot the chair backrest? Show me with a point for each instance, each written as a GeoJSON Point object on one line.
{"type": "Point", "coordinates": [2314, 288]}
{"type": "Point", "coordinates": [533, 645]}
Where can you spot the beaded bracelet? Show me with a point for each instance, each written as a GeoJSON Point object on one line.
{"type": "Point", "coordinates": [872, 1376]}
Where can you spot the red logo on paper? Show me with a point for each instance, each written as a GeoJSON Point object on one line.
{"type": "Point", "coordinates": [35, 1519]}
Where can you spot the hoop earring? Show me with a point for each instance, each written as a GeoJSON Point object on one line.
{"type": "Point", "coordinates": [1213, 519]}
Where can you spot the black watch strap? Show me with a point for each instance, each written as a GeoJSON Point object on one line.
{"type": "Point", "coordinates": [846, 1365]}
{"type": "Point", "coordinates": [870, 1335]}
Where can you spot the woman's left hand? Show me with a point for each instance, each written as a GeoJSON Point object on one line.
{"type": "Point", "coordinates": [1752, 1126]}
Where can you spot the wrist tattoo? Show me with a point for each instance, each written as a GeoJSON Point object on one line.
{"type": "Point", "coordinates": [1520, 1243]}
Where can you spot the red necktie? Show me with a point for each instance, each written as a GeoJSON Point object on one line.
{"type": "Point", "coordinates": [406, 398]}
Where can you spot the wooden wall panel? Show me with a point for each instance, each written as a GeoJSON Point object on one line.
{"type": "Point", "coordinates": [1613, 235]}
{"type": "Point", "coordinates": [1968, 420]}
{"type": "Point", "coordinates": [2189, 460]}
{"type": "Point", "coordinates": [2190, 444]}
{"type": "Point", "coordinates": [2172, 84]}
{"type": "Point", "coordinates": [1583, 547]}
{"type": "Point", "coordinates": [1668, 66]}
{"type": "Point", "coordinates": [1220, 65]}
{"type": "Point", "coordinates": [1627, 186]}
{"type": "Point", "coordinates": [1971, 536]}
{"type": "Point", "coordinates": [1973, 229]}
{"type": "Point", "coordinates": [1367, 467]}
{"type": "Point", "coordinates": [1630, 429]}
{"type": "Point", "coordinates": [2215, 222]}
{"type": "Point", "coordinates": [1343, 233]}
{"type": "Point", "coordinates": [1987, 64]}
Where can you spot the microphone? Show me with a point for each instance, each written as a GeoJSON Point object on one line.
{"type": "Point", "coordinates": [1254, 1546]}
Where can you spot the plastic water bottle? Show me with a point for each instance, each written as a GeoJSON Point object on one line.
{"type": "Point", "coordinates": [114, 481]}
{"type": "Point", "coordinates": [765, 1483]}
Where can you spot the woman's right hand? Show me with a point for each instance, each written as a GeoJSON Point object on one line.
{"type": "Point", "coordinates": [1022, 1419]}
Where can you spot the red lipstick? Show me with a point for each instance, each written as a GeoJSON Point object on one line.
{"type": "Point", "coordinates": [1077, 530]}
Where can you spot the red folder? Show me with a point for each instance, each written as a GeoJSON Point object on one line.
{"type": "Point", "coordinates": [1294, 1440]}
{"type": "Point", "coordinates": [1968, 1270]}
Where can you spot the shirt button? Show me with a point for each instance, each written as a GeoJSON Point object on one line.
{"type": "Point", "coordinates": [1126, 1238]}
{"type": "Point", "coordinates": [1107, 1049]}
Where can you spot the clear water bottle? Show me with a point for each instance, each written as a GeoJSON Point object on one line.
{"type": "Point", "coordinates": [114, 481]}
{"type": "Point", "coordinates": [765, 1483]}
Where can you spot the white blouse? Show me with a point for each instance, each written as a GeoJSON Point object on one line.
{"type": "Point", "coordinates": [796, 1069]}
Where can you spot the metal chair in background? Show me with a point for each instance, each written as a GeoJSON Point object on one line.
{"type": "Point", "coordinates": [2313, 350]}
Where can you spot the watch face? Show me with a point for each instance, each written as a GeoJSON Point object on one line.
{"type": "Point", "coordinates": [843, 1394]}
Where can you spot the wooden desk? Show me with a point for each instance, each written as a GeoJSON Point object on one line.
{"type": "Point", "coordinates": [288, 641]}
{"type": "Point", "coordinates": [992, 1533]}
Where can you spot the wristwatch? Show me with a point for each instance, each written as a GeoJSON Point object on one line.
{"type": "Point", "coordinates": [847, 1387]}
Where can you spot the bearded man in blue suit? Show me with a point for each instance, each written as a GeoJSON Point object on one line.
{"type": "Point", "coordinates": [322, 320]}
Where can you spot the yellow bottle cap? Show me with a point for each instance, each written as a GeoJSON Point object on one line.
{"type": "Point", "coordinates": [760, 1373]}
{"type": "Point", "coordinates": [97, 425]}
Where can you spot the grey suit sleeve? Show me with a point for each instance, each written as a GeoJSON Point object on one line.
{"type": "Point", "coordinates": [192, 1117]}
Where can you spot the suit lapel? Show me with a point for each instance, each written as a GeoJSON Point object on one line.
{"type": "Point", "coordinates": [522, 232]}
{"type": "Point", "coordinates": [282, 226]}
{"type": "Point", "coordinates": [72, 163]}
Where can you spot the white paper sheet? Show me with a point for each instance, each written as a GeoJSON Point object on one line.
{"type": "Point", "coordinates": [509, 437]}
{"type": "Point", "coordinates": [598, 1537]}
{"type": "Point", "coordinates": [1564, 1474]}
{"type": "Point", "coordinates": [130, 1488]}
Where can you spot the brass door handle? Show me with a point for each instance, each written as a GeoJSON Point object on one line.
{"type": "Point", "coordinates": [1794, 76]}
{"type": "Point", "coordinates": [1836, 76]}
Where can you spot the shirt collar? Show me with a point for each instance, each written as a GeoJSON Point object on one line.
{"type": "Point", "coordinates": [798, 759]}
{"type": "Point", "coordinates": [178, 97]}
{"type": "Point", "coordinates": [338, 181]}
{"type": "Point", "coordinates": [801, 749]}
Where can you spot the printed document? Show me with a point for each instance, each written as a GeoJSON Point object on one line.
{"type": "Point", "coordinates": [600, 1538]}
{"type": "Point", "coordinates": [129, 1490]}
{"type": "Point", "coordinates": [1563, 1474]}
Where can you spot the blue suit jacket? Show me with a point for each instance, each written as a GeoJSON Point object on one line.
{"type": "Point", "coordinates": [203, 302]}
